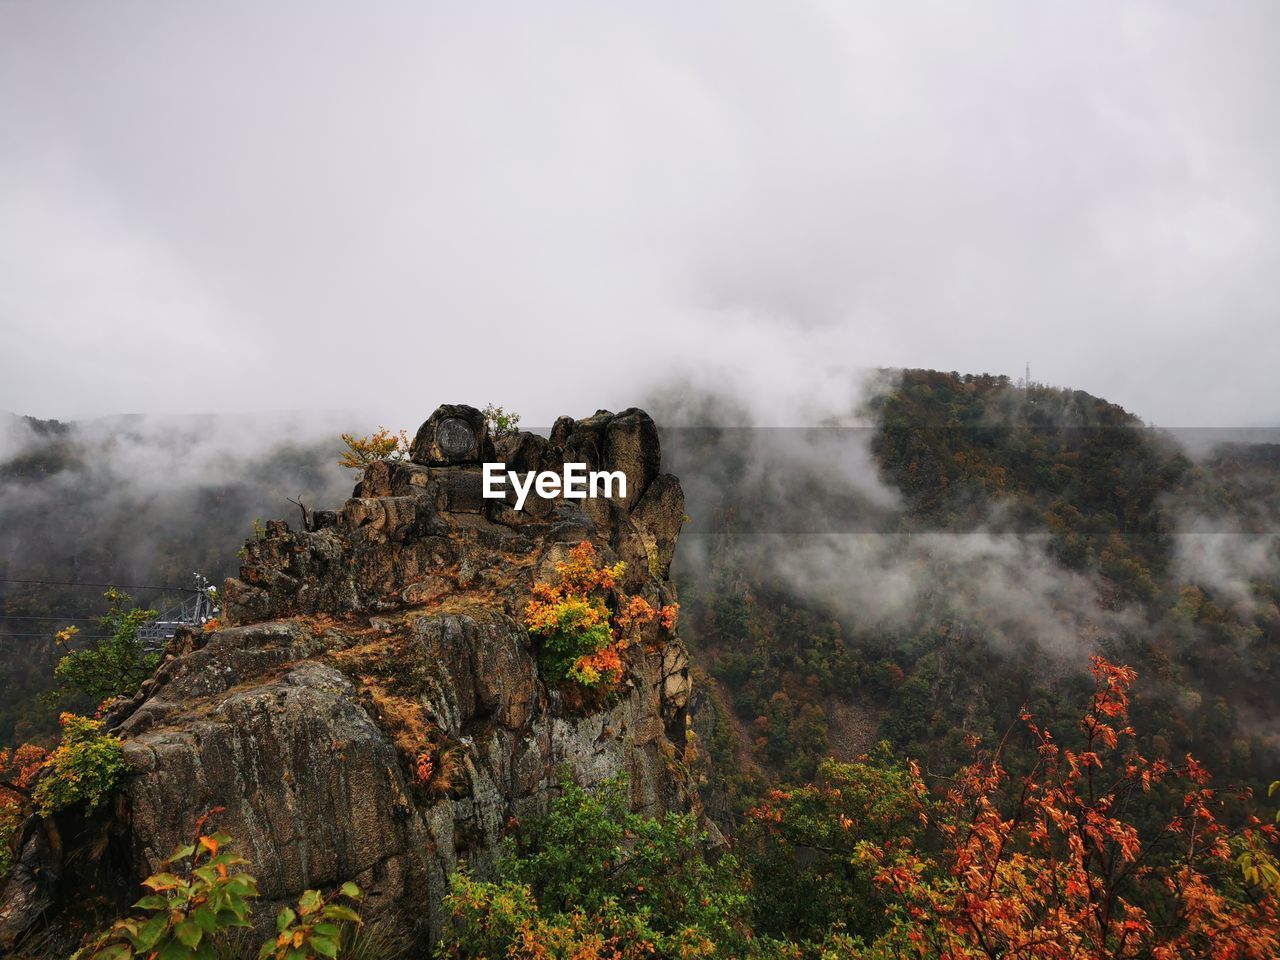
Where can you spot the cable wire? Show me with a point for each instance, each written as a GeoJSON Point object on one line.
{"type": "Point", "coordinates": [23, 616]}
{"type": "Point", "coordinates": [79, 636]}
{"type": "Point", "coordinates": [86, 583]}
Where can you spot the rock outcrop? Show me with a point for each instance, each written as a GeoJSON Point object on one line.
{"type": "Point", "coordinates": [372, 639]}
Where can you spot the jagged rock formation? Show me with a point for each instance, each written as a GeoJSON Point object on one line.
{"type": "Point", "coordinates": [375, 637]}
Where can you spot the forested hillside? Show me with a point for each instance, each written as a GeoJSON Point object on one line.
{"type": "Point", "coordinates": [1032, 526]}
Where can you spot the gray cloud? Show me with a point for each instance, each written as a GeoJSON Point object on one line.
{"type": "Point", "coordinates": [809, 510]}
{"type": "Point", "coordinates": [235, 207]}
{"type": "Point", "coordinates": [1230, 563]}
{"type": "Point", "coordinates": [1005, 584]}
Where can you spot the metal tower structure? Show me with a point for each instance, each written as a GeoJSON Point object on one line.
{"type": "Point", "coordinates": [196, 610]}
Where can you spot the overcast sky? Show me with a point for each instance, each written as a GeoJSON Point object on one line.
{"type": "Point", "coordinates": [384, 206]}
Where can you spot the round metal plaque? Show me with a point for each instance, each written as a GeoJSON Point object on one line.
{"type": "Point", "coordinates": [455, 437]}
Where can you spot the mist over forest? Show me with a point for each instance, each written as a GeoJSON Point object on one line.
{"type": "Point", "coordinates": [134, 501]}
{"type": "Point", "coordinates": [911, 566]}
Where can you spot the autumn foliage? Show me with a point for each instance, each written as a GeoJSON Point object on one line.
{"type": "Point", "coordinates": [582, 638]}
{"type": "Point", "coordinates": [1052, 865]}
{"type": "Point", "coordinates": [18, 769]}
{"type": "Point", "coordinates": [84, 769]}
{"type": "Point", "coordinates": [359, 452]}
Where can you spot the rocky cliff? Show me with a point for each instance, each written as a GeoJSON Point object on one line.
{"type": "Point", "coordinates": [371, 708]}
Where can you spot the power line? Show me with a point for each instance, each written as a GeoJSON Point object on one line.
{"type": "Point", "coordinates": [79, 636]}
{"type": "Point", "coordinates": [15, 616]}
{"type": "Point", "coordinates": [86, 583]}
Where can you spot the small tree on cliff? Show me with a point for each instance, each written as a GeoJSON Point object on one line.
{"type": "Point", "coordinates": [359, 452]}
{"type": "Point", "coordinates": [502, 423]}
{"type": "Point", "coordinates": [582, 640]}
{"type": "Point", "coordinates": [116, 663]}
{"type": "Point", "coordinates": [385, 444]}
{"type": "Point", "coordinates": [84, 769]}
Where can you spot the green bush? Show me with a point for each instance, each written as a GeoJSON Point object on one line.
{"type": "Point", "coordinates": [85, 768]}
{"type": "Point", "coordinates": [199, 909]}
{"type": "Point", "coordinates": [316, 928]}
{"type": "Point", "coordinates": [502, 424]}
{"type": "Point", "coordinates": [199, 900]}
{"type": "Point", "coordinates": [592, 871]}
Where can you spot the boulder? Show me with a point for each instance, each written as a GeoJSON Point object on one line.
{"type": "Point", "coordinates": [631, 445]}
{"type": "Point", "coordinates": [454, 435]}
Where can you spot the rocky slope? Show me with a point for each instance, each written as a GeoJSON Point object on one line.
{"type": "Point", "coordinates": [372, 644]}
